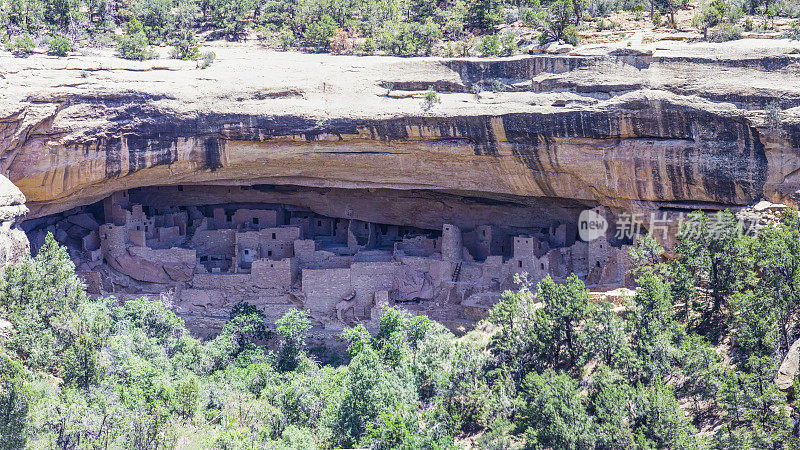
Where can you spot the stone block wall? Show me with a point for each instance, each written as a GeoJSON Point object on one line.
{"type": "Point", "coordinates": [324, 288]}
{"type": "Point", "coordinates": [256, 218]}
{"type": "Point", "coordinates": [368, 277]}
{"type": "Point", "coordinates": [270, 274]}
{"type": "Point", "coordinates": [451, 242]}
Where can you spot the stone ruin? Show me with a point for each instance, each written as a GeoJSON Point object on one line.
{"type": "Point", "coordinates": [203, 259]}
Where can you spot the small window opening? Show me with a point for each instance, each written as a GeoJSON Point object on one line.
{"type": "Point", "coordinates": [273, 236]}
{"type": "Point", "coordinates": [519, 263]}
{"type": "Point", "coordinates": [255, 220]}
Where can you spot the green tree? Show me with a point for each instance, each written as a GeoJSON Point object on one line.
{"type": "Point", "coordinates": [610, 403]}
{"type": "Point", "coordinates": [713, 249]}
{"type": "Point", "coordinates": [484, 14]}
{"type": "Point", "coordinates": [564, 308]}
{"type": "Point", "coordinates": [560, 17]}
{"type": "Point", "coordinates": [231, 17]}
{"type": "Point", "coordinates": [155, 17]}
{"type": "Point", "coordinates": [777, 255]}
{"type": "Point", "coordinates": [134, 44]}
{"type": "Point", "coordinates": [187, 394]}
{"type": "Point", "coordinates": [60, 12]}
{"type": "Point", "coordinates": [292, 328]}
{"type": "Point", "coordinates": [607, 336]}
{"type": "Point", "coordinates": [653, 338]}
{"type": "Point", "coordinates": [24, 16]}
{"type": "Point", "coordinates": [318, 33]}
{"type": "Point", "coordinates": [15, 400]}
{"type": "Point", "coordinates": [80, 362]}
{"type": "Point", "coordinates": [370, 388]}
{"type": "Point", "coordinates": [552, 412]}
{"type": "Point", "coordinates": [40, 298]}
{"type": "Point", "coordinates": [660, 422]}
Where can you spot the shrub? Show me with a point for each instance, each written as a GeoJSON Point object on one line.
{"type": "Point", "coordinates": [489, 45]}
{"type": "Point", "coordinates": [774, 114]}
{"type": "Point", "coordinates": [406, 39]}
{"type": "Point", "coordinates": [340, 42]}
{"type": "Point", "coordinates": [656, 19]}
{"type": "Point", "coordinates": [58, 46]}
{"type": "Point", "coordinates": [367, 47]}
{"type": "Point", "coordinates": [21, 44]}
{"type": "Point", "coordinates": [711, 15]}
{"type": "Point", "coordinates": [287, 38]}
{"type": "Point", "coordinates": [133, 44]}
{"type": "Point", "coordinates": [501, 44]}
{"type": "Point", "coordinates": [185, 46]}
{"type": "Point", "coordinates": [534, 16]}
{"type": "Point", "coordinates": [431, 99]}
{"type": "Point", "coordinates": [570, 35]}
{"type": "Point", "coordinates": [206, 59]}
{"type": "Point", "coordinates": [792, 33]}
{"type": "Point", "coordinates": [724, 32]}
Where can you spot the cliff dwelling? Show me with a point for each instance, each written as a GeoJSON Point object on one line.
{"type": "Point", "coordinates": [340, 254]}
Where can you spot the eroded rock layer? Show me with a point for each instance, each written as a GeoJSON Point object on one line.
{"type": "Point", "coordinates": [142, 169]}
{"type": "Point", "coordinates": [636, 130]}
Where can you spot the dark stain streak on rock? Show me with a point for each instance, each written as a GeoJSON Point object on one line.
{"type": "Point", "coordinates": [113, 151]}
{"type": "Point", "coordinates": [213, 155]}
{"type": "Point", "coordinates": [146, 152]}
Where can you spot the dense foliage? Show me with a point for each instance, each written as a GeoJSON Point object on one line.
{"type": "Point", "coordinates": [688, 363]}
{"type": "Point", "coordinates": [399, 27]}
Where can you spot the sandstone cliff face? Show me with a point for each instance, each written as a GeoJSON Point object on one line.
{"type": "Point", "coordinates": [658, 128]}
{"type": "Point", "coordinates": [14, 244]}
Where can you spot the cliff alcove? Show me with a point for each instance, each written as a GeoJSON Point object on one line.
{"type": "Point", "coordinates": [341, 254]}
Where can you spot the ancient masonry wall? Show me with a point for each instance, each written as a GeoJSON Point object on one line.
{"type": "Point", "coordinates": [206, 259]}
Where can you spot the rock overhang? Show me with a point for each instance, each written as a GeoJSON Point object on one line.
{"type": "Point", "coordinates": [631, 131]}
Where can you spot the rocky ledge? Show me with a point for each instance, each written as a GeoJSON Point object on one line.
{"type": "Point", "coordinates": [665, 126]}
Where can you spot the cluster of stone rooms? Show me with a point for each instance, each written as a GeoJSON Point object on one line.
{"type": "Point", "coordinates": [204, 259]}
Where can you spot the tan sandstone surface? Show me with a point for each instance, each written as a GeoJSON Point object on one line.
{"type": "Point", "coordinates": [662, 125]}
{"type": "Point", "coordinates": [329, 183]}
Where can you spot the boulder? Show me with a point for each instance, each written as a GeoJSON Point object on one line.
{"type": "Point", "coordinates": [789, 368]}
{"type": "Point", "coordinates": [14, 244]}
